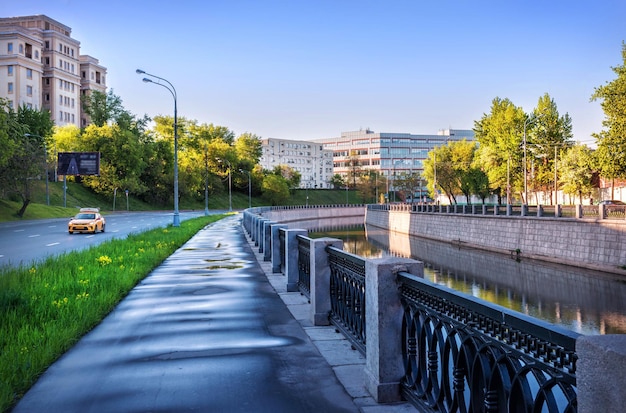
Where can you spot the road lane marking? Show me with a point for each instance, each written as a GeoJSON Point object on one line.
{"type": "Point", "coordinates": [18, 230]}
{"type": "Point", "coordinates": [34, 236]}
{"type": "Point", "coordinates": [53, 244]}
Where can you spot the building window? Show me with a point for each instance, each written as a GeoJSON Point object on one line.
{"type": "Point", "coordinates": [29, 73]}
{"type": "Point", "coordinates": [10, 48]}
{"type": "Point", "coordinates": [10, 87]}
{"type": "Point", "coordinates": [36, 54]}
{"type": "Point", "coordinates": [10, 70]}
{"type": "Point", "coordinates": [47, 45]}
{"type": "Point", "coordinates": [29, 90]}
{"type": "Point", "coordinates": [21, 49]}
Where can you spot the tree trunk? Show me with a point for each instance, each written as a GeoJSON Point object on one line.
{"type": "Point", "coordinates": [20, 213]}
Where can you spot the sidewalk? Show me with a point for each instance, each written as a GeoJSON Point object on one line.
{"type": "Point", "coordinates": [206, 332]}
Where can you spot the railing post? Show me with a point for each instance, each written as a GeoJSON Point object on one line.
{"type": "Point", "coordinates": [600, 373]}
{"type": "Point", "coordinates": [524, 210]}
{"type": "Point", "coordinates": [579, 211]}
{"type": "Point", "coordinates": [384, 368]}
{"type": "Point", "coordinates": [267, 240]}
{"type": "Point", "coordinates": [558, 211]}
{"type": "Point", "coordinates": [291, 257]}
{"type": "Point", "coordinates": [539, 210]}
{"type": "Point", "coordinates": [275, 246]}
{"type": "Point", "coordinates": [320, 279]}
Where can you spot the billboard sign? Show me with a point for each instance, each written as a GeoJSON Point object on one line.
{"type": "Point", "coordinates": [79, 163]}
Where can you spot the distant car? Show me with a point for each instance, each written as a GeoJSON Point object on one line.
{"type": "Point", "coordinates": [612, 202]}
{"type": "Point", "coordinates": [87, 220]}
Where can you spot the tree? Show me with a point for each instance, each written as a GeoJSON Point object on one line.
{"type": "Point", "coordinates": [577, 171]}
{"type": "Point", "coordinates": [337, 181]}
{"type": "Point", "coordinates": [291, 176]}
{"type": "Point", "coordinates": [448, 166]}
{"type": "Point", "coordinates": [549, 130]}
{"type": "Point", "coordinates": [499, 135]}
{"type": "Point", "coordinates": [275, 189]}
{"type": "Point", "coordinates": [611, 142]}
{"type": "Point", "coordinates": [407, 183]}
{"type": "Point", "coordinates": [355, 168]}
{"type": "Point", "coordinates": [26, 133]}
{"type": "Point", "coordinates": [371, 185]}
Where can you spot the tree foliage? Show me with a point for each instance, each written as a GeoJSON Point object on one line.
{"type": "Point", "coordinates": [611, 141]}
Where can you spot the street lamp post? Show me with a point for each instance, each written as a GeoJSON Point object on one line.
{"type": "Point", "coordinates": [45, 159]}
{"type": "Point", "coordinates": [249, 188]}
{"type": "Point", "coordinates": [172, 90]}
{"type": "Point", "coordinates": [230, 192]}
{"type": "Point", "coordinates": [206, 180]}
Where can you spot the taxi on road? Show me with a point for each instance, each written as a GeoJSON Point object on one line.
{"type": "Point", "coordinates": [87, 220]}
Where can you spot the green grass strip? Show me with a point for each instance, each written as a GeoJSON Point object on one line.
{"type": "Point", "coordinates": [47, 308]}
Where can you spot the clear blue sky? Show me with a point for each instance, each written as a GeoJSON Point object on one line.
{"type": "Point", "coordinates": [312, 69]}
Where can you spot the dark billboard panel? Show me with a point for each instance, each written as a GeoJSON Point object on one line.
{"type": "Point", "coordinates": [79, 163]}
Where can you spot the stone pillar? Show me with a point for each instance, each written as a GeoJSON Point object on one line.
{"type": "Point", "coordinates": [524, 210]}
{"type": "Point", "coordinates": [291, 257]}
{"type": "Point", "coordinates": [320, 279]}
{"type": "Point", "coordinates": [275, 246]}
{"type": "Point", "coordinates": [601, 373]}
{"type": "Point", "coordinates": [579, 211]}
{"type": "Point", "coordinates": [259, 233]}
{"type": "Point", "coordinates": [384, 368]}
{"type": "Point", "coordinates": [267, 240]}
{"type": "Point", "coordinates": [539, 210]}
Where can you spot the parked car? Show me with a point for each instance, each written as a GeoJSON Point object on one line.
{"type": "Point", "coordinates": [87, 220]}
{"type": "Point", "coordinates": [612, 202]}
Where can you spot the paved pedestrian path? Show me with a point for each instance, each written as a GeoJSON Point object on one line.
{"type": "Point", "coordinates": [207, 332]}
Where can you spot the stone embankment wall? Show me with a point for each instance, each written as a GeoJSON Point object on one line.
{"type": "Point", "coordinates": [312, 218]}
{"type": "Point", "coordinates": [594, 244]}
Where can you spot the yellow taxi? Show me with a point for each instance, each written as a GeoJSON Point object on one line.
{"type": "Point", "coordinates": [87, 220]}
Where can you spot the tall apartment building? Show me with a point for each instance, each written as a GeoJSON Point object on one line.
{"type": "Point", "coordinates": [310, 159]}
{"type": "Point", "coordinates": [390, 154]}
{"type": "Point", "coordinates": [41, 67]}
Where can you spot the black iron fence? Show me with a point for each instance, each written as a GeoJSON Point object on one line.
{"type": "Point", "coordinates": [465, 355]}
{"type": "Point", "coordinates": [347, 295]}
{"type": "Point", "coordinates": [304, 264]}
{"type": "Point", "coordinates": [548, 211]}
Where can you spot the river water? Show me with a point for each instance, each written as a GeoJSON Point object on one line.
{"type": "Point", "coordinates": [585, 301]}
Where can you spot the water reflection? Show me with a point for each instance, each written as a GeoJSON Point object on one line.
{"type": "Point", "coordinates": [585, 301]}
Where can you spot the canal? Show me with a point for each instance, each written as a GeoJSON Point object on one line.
{"type": "Point", "coordinates": [588, 302]}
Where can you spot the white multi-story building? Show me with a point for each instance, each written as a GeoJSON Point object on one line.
{"type": "Point", "coordinates": [389, 154]}
{"type": "Point", "coordinates": [41, 67]}
{"type": "Point", "coordinates": [314, 164]}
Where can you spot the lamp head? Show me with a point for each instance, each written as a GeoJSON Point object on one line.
{"type": "Point", "coordinates": [145, 79]}
{"type": "Point", "coordinates": [140, 72]}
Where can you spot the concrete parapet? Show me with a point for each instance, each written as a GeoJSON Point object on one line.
{"type": "Point", "coordinates": [291, 257]}
{"type": "Point", "coordinates": [384, 368]}
{"type": "Point", "coordinates": [275, 246]}
{"type": "Point", "coordinates": [267, 240]}
{"type": "Point", "coordinates": [601, 373]}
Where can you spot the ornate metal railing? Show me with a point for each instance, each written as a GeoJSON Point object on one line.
{"type": "Point", "coordinates": [546, 211]}
{"type": "Point", "coordinates": [347, 295]}
{"type": "Point", "coordinates": [462, 354]}
{"type": "Point", "coordinates": [304, 265]}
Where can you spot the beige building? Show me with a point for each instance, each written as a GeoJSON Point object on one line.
{"type": "Point", "coordinates": [314, 164]}
{"type": "Point", "coordinates": [41, 67]}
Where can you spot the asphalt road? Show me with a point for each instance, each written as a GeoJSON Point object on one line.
{"type": "Point", "coordinates": [25, 242]}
